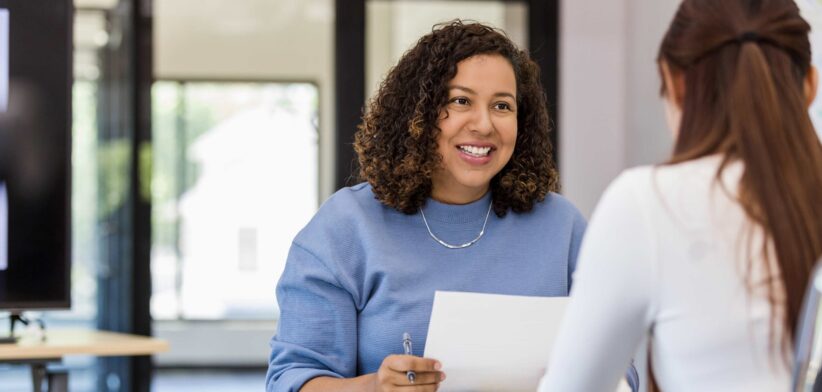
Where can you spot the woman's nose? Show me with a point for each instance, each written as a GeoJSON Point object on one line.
{"type": "Point", "coordinates": [481, 122]}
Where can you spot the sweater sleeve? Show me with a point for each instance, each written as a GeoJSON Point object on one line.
{"type": "Point", "coordinates": [317, 331]}
{"type": "Point", "coordinates": [610, 307]}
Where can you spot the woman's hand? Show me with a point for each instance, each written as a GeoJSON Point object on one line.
{"type": "Point", "coordinates": [392, 374]}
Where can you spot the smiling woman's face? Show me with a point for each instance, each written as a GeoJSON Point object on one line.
{"type": "Point", "coordinates": [478, 128]}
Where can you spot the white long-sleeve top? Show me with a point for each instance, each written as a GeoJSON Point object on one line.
{"type": "Point", "coordinates": [665, 256]}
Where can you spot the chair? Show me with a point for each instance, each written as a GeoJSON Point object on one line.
{"type": "Point", "coordinates": [808, 346]}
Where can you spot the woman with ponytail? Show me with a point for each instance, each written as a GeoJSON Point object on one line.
{"type": "Point", "coordinates": [707, 255]}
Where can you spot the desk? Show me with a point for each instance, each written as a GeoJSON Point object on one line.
{"type": "Point", "coordinates": [62, 342]}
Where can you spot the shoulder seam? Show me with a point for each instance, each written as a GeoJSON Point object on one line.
{"type": "Point", "coordinates": [335, 274]}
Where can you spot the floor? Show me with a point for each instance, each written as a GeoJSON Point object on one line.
{"type": "Point", "coordinates": [209, 381]}
{"type": "Point", "coordinates": [15, 378]}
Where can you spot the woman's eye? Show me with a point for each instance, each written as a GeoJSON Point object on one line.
{"type": "Point", "coordinates": [502, 106]}
{"type": "Point", "coordinates": [460, 101]}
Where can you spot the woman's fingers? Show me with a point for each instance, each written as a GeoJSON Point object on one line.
{"type": "Point", "coordinates": [403, 363]}
{"type": "Point", "coordinates": [393, 374]}
{"type": "Point", "coordinates": [421, 378]}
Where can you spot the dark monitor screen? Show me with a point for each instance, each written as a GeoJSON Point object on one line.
{"type": "Point", "coordinates": [35, 159]}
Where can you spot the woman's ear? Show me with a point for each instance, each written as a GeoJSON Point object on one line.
{"type": "Point", "coordinates": [674, 85]}
{"type": "Point", "coordinates": [810, 86]}
{"type": "Point", "coordinates": [673, 97]}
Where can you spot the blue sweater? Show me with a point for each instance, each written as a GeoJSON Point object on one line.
{"type": "Point", "coordinates": [361, 273]}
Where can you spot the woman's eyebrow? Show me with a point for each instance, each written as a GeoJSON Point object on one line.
{"type": "Point", "coordinates": [471, 91]}
{"type": "Point", "coordinates": [503, 94]}
{"type": "Point", "coordinates": [466, 89]}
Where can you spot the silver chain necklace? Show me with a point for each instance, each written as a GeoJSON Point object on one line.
{"type": "Point", "coordinates": [462, 246]}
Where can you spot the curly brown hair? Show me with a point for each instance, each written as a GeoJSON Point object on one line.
{"type": "Point", "coordinates": [396, 143]}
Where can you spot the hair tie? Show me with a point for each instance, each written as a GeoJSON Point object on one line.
{"type": "Point", "coordinates": [745, 37]}
{"type": "Point", "coordinates": [748, 36]}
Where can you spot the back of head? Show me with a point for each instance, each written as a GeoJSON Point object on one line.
{"type": "Point", "coordinates": [745, 64]}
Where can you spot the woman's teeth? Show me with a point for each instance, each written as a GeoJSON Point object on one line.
{"type": "Point", "coordinates": [475, 151]}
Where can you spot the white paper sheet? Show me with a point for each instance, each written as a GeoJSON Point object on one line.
{"type": "Point", "coordinates": [489, 342]}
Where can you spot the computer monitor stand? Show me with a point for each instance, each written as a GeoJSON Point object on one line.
{"type": "Point", "coordinates": [15, 318]}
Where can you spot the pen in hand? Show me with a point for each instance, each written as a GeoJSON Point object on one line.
{"type": "Point", "coordinates": [406, 346]}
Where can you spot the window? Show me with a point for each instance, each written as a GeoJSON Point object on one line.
{"type": "Point", "coordinates": [235, 177]}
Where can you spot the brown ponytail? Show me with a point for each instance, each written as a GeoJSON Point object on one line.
{"type": "Point", "coordinates": [744, 64]}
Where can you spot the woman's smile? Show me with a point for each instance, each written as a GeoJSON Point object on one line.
{"type": "Point", "coordinates": [476, 153]}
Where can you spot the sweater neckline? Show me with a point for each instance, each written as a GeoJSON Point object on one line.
{"type": "Point", "coordinates": [457, 213]}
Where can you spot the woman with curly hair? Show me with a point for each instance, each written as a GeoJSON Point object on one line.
{"type": "Point", "coordinates": [457, 195]}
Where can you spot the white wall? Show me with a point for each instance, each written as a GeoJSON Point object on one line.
{"type": "Point", "coordinates": [812, 12]}
{"type": "Point", "coordinates": [611, 117]}
{"type": "Point", "coordinates": [593, 115]}
{"type": "Point", "coordinates": [649, 140]}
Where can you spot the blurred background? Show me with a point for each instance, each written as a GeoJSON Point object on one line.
{"type": "Point", "coordinates": [206, 133]}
